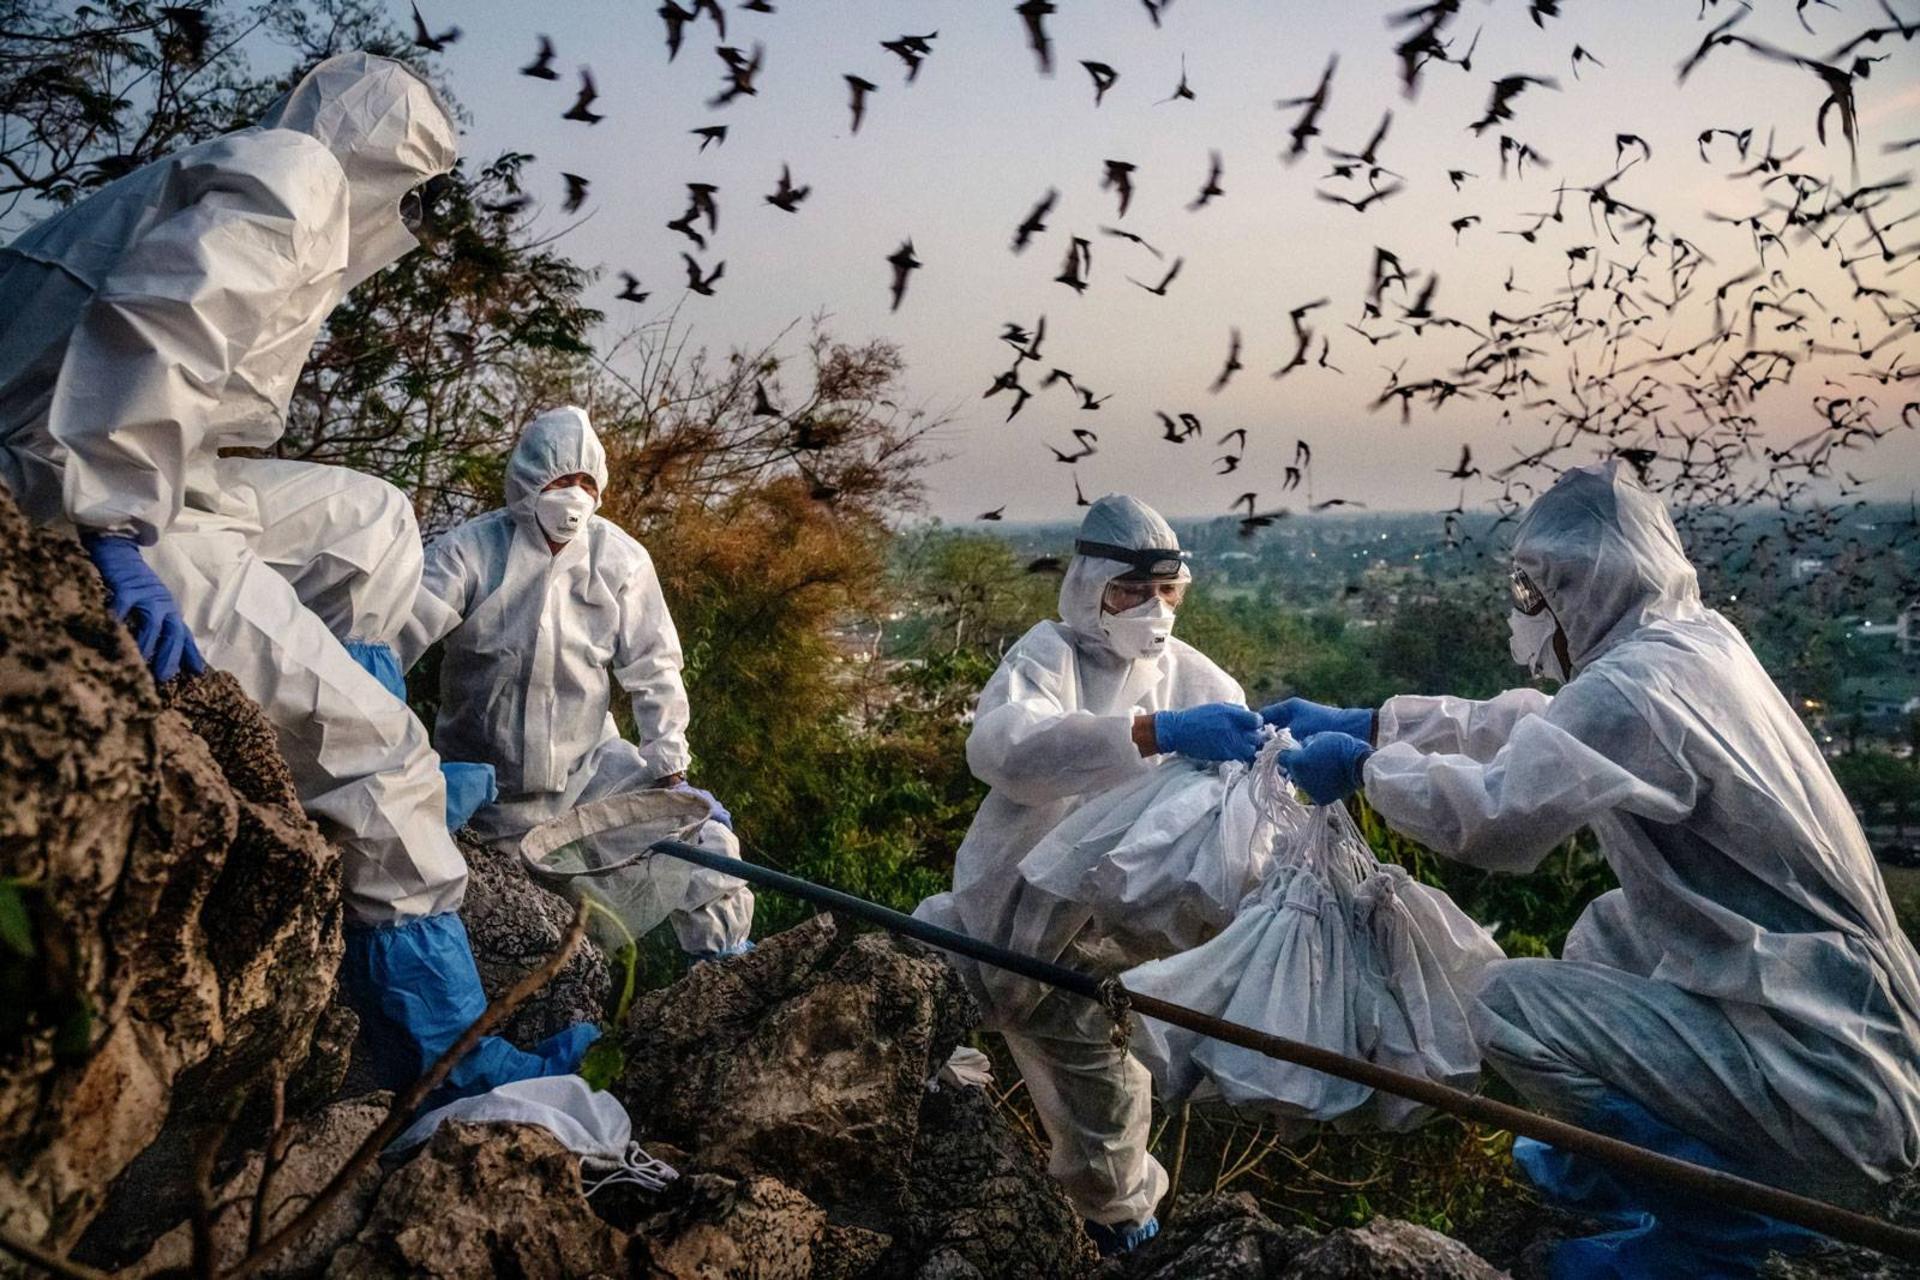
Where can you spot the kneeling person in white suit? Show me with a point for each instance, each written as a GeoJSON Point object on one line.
{"type": "Point", "coordinates": [537, 601]}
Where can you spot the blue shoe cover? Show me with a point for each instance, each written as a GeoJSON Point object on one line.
{"type": "Point", "coordinates": [1118, 1239]}
{"type": "Point", "coordinates": [378, 661]}
{"type": "Point", "coordinates": [1662, 1233]}
{"type": "Point", "coordinates": [416, 990]}
{"type": "Point", "coordinates": [743, 947]}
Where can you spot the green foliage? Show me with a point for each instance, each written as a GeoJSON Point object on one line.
{"type": "Point", "coordinates": [426, 372]}
{"type": "Point", "coordinates": [16, 928]}
{"type": "Point", "coordinates": [1887, 789]}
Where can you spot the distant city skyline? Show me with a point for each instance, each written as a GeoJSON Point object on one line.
{"type": "Point", "coordinates": [954, 161]}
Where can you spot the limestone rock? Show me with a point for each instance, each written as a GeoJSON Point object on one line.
{"type": "Point", "coordinates": [483, 1201]}
{"type": "Point", "coordinates": [1219, 1237]}
{"type": "Point", "coordinates": [319, 1148]}
{"type": "Point", "coordinates": [1389, 1249]}
{"type": "Point", "coordinates": [720, 1228]}
{"type": "Point", "coordinates": [185, 916]}
{"type": "Point", "coordinates": [515, 925]}
{"type": "Point", "coordinates": [981, 1195]}
{"type": "Point", "coordinates": [805, 1061]}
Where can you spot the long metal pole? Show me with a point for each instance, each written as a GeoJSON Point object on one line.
{"type": "Point", "coordinates": [1726, 1188]}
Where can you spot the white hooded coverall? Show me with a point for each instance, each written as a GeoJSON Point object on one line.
{"type": "Point", "coordinates": [1747, 983]}
{"type": "Point", "coordinates": [165, 318]}
{"type": "Point", "coordinates": [1053, 726]}
{"type": "Point", "coordinates": [531, 635]}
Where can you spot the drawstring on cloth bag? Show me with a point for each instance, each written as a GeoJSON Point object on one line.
{"type": "Point", "coordinates": [632, 1167]}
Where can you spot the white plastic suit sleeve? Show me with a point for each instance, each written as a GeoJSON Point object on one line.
{"type": "Point", "coordinates": [1456, 726]}
{"type": "Point", "coordinates": [190, 332]}
{"type": "Point", "coordinates": [1547, 782]}
{"type": "Point", "coordinates": [442, 603]}
{"type": "Point", "coordinates": [1028, 746]}
{"type": "Point", "coordinates": [647, 663]}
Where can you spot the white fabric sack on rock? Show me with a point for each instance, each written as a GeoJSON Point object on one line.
{"type": "Point", "coordinates": [588, 1122]}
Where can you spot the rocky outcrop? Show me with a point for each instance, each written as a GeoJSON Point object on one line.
{"type": "Point", "coordinates": [980, 1196]}
{"type": "Point", "coordinates": [317, 1149]}
{"type": "Point", "coordinates": [1221, 1237]}
{"type": "Point", "coordinates": [1227, 1237]}
{"type": "Point", "coordinates": [719, 1226]}
{"type": "Point", "coordinates": [484, 1200]}
{"type": "Point", "coordinates": [806, 1063]}
{"type": "Point", "coordinates": [515, 924]}
{"type": "Point", "coordinates": [1388, 1249]}
{"type": "Point", "coordinates": [130, 825]}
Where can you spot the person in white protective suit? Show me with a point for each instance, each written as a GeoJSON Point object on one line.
{"type": "Point", "coordinates": [1078, 706]}
{"type": "Point", "coordinates": [1746, 997]}
{"type": "Point", "coordinates": [537, 601]}
{"type": "Point", "coordinates": [165, 319]}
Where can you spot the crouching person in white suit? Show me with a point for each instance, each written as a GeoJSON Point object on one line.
{"type": "Point", "coordinates": [164, 319]}
{"type": "Point", "coordinates": [537, 602]}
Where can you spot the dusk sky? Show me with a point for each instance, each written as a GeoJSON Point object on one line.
{"type": "Point", "coordinates": [955, 160]}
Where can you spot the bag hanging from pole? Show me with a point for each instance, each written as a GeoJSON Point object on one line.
{"type": "Point", "coordinates": [1165, 858]}
{"type": "Point", "coordinates": [1335, 949]}
{"type": "Point", "coordinates": [600, 852]}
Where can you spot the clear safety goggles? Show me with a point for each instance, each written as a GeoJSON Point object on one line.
{"type": "Point", "coordinates": [420, 207]}
{"type": "Point", "coordinates": [1122, 595]}
{"type": "Point", "coordinates": [1526, 597]}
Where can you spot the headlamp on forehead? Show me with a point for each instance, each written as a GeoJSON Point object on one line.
{"type": "Point", "coordinates": [1147, 564]}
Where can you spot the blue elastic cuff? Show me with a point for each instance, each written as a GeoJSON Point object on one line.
{"type": "Point", "coordinates": [380, 662]}
{"type": "Point", "coordinates": [469, 786]}
{"type": "Point", "coordinates": [1355, 721]}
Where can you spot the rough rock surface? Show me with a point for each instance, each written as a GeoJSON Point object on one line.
{"type": "Point", "coordinates": [1220, 1237]}
{"type": "Point", "coordinates": [1227, 1237]}
{"type": "Point", "coordinates": [484, 1200]}
{"type": "Point", "coordinates": [134, 832]}
{"type": "Point", "coordinates": [514, 925]}
{"type": "Point", "coordinates": [980, 1195]}
{"type": "Point", "coordinates": [805, 1061]}
{"type": "Point", "coordinates": [1900, 1204]}
{"type": "Point", "coordinates": [718, 1226]}
{"type": "Point", "coordinates": [1389, 1249]}
{"type": "Point", "coordinates": [319, 1147]}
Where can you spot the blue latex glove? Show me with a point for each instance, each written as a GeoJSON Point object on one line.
{"type": "Point", "coordinates": [468, 787]}
{"type": "Point", "coordinates": [1214, 731]}
{"type": "Point", "coordinates": [1328, 766]}
{"type": "Point", "coordinates": [416, 990]}
{"type": "Point", "coordinates": [1303, 719]}
{"type": "Point", "coordinates": [379, 661]}
{"type": "Point", "coordinates": [1662, 1234]}
{"type": "Point", "coordinates": [720, 814]}
{"type": "Point", "coordinates": [163, 639]}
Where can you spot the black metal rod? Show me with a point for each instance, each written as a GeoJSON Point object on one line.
{"type": "Point", "coordinates": [1729, 1189]}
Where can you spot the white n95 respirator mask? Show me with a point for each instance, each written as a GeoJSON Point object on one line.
{"type": "Point", "coordinates": [562, 513]}
{"type": "Point", "coordinates": [1140, 632]}
{"type": "Point", "coordinates": [1530, 641]}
